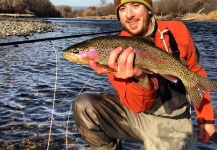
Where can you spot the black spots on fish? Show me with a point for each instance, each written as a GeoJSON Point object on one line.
{"type": "Point", "coordinates": [75, 51]}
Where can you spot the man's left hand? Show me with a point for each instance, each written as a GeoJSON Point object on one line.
{"type": "Point", "coordinates": [206, 131]}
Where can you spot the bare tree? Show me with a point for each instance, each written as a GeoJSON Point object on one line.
{"type": "Point", "coordinates": [102, 3]}
{"type": "Point", "coordinates": [64, 10]}
{"type": "Point", "coordinates": [42, 8]}
{"type": "Point", "coordinates": [87, 12]}
{"type": "Point", "coordinates": [180, 7]}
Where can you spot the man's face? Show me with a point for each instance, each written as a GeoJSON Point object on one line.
{"type": "Point", "coordinates": [135, 18]}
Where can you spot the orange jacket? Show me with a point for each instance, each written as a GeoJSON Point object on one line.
{"type": "Point", "coordinates": [139, 99]}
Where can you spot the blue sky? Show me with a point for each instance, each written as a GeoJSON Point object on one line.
{"type": "Point", "coordinates": [79, 2]}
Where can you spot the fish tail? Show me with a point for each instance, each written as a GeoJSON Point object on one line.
{"type": "Point", "coordinates": [197, 92]}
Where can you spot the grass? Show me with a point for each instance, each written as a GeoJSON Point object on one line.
{"type": "Point", "coordinates": [212, 16]}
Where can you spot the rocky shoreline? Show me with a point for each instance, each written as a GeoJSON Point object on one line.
{"type": "Point", "coordinates": [23, 26]}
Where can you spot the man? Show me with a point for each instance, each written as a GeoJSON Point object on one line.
{"type": "Point", "coordinates": [147, 108]}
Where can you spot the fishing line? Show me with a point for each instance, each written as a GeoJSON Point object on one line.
{"type": "Point", "coordinates": [70, 111]}
{"type": "Point", "coordinates": [54, 95]}
{"type": "Point", "coordinates": [54, 38]}
{"type": "Point", "coordinates": [54, 99]}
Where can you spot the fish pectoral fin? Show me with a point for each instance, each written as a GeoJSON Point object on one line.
{"type": "Point", "coordinates": [147, 71]}
{"type": "Point", "coordinates": [170, 77]}
{"type": "Point", "coordinates": [106, 67]}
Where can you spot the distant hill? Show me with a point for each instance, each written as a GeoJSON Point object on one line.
{"type": "Point", "coordinates": [78, 7]}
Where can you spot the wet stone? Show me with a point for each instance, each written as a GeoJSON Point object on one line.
{"type": "Point", "coordinates": [23, 27]}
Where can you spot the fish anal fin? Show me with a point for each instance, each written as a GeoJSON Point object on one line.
{"type": "Point", "coordinates": [197, 92]}
{"type": "Point", "coordinates": [195, 96]}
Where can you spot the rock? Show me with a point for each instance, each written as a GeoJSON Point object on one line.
{"type": "Point", "coordinates": [23, 27]}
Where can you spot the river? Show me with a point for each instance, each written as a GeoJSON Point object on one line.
{"type": "Point", "coordinates": [29, 87]}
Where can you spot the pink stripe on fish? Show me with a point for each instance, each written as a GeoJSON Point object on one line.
{"type": "Point", "coordinates": [147, 55]}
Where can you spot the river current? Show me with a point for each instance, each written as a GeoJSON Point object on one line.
{"type": "Point", "coordinates": [28, 78]}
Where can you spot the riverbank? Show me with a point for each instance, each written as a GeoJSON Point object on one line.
{"type": "Point", "coordinates": [30, 26]}
{"type": "Point", "coordinates": [23, 26]}
{"type": "Point", "coordinates": [212, 16]}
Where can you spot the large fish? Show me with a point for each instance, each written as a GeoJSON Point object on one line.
{"type": "Point", "coordinates": [147, 56]}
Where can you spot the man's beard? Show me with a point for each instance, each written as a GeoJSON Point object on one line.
{"type": "Point", "coordinates": [142, 31]}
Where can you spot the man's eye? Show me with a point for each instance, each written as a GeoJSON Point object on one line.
{"type": "Point", "coordinates": [121, 9]}
{"type": "Point", "coordinates": [136, 5]}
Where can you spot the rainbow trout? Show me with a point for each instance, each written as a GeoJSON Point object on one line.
{"type": "Point", "coordinates": [147, 56]}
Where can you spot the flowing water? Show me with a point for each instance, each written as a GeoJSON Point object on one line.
{"type": "Point", "coordinates": [28, 76]}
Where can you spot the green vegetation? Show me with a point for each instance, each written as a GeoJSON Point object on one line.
{"type": "Point", "coordinates": [169, 8]}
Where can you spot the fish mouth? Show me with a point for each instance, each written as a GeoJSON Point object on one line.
{"type": "Point", "coordinates": [75, 58]}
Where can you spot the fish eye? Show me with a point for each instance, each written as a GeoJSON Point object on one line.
{"type": "Point", "coordinates": [75, 51]}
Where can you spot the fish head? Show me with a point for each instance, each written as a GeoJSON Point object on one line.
{"type": "Point", "coordinates": [79, 53]}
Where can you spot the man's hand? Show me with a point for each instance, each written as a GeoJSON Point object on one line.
{"type": "Point", "coordinates": [206, 131]}
{"type": "Point", "coordinates": [124, 66]}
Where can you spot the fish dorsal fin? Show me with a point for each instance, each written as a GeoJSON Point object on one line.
{"type": "Point", "coordinates": [149, 40]}
{"type": "Point", "coordinates": [183, 62]}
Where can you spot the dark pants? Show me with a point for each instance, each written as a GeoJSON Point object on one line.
{"type": "Point", "coordinates": [102, 121]}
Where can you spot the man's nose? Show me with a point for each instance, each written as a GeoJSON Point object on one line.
{"type": "Point", "coordinates": [129, 13]}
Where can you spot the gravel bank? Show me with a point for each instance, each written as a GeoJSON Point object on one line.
{"type": "Point", "coordinates": [23, 27]}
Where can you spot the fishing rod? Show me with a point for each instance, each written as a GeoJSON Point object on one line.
{"type": "Point", "coordinates": [54, 38]}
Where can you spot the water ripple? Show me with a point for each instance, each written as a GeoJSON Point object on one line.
{"type": "Point", "coordinates": [28, 76]}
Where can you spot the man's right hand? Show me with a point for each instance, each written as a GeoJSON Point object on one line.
{"type": "Point", "coordinates": [124, 66]}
